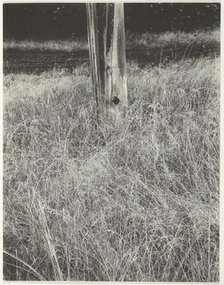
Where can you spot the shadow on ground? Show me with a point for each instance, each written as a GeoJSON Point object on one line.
{"type": "Point", "coordinates": [36, 61]}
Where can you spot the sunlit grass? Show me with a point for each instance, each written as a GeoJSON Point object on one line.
{"type": "Point", "coordinates": [50, 45]}
{"type": "Point", "coordinates": [137, 201]}
{"type": "Point", "coordinates": [162, 40]}
{"type": "Point", "coordinates": [144, 40]}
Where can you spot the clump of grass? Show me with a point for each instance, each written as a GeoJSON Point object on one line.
{"type": "Point", "coordinates": [134, 202]}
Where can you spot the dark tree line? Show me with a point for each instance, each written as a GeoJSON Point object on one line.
{"type": "Point", "coordinates": [61, 21]}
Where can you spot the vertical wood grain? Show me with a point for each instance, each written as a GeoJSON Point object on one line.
{"type": "Point", "coordinates": [106, 37]}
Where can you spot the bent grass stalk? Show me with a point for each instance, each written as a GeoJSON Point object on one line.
{"type": "Point", "coordinates": [37, 274]}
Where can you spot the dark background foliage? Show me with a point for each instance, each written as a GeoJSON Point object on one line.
{"type": "Point", "coordinates": [64, 21]}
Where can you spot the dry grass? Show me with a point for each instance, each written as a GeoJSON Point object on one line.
{"type": "Point", "coordinates": [136, 201]}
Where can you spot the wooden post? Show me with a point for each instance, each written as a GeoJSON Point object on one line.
{"type": "Point", "coordinates": [106, 37]}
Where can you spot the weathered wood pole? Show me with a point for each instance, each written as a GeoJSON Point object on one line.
{"type": "Point", "coordinates": [106, 37]}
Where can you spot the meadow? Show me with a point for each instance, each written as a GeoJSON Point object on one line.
{"type": "Point", "coordinates": [133, 201]}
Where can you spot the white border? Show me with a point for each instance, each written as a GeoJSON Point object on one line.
{"type": "Point", "coordinates": [221, 146]}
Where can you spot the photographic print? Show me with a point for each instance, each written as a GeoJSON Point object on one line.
{"type": "Point", "coordinates": [111, 126]}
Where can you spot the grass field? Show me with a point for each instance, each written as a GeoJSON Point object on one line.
{"type": "Point", "coordinates": [137, 201]}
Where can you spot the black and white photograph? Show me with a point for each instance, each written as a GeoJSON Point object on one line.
{"type": "Point", "coordinates": [111, 141]}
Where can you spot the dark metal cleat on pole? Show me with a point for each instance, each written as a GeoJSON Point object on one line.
{"type": "Point", "coordinates": [115, 100]}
